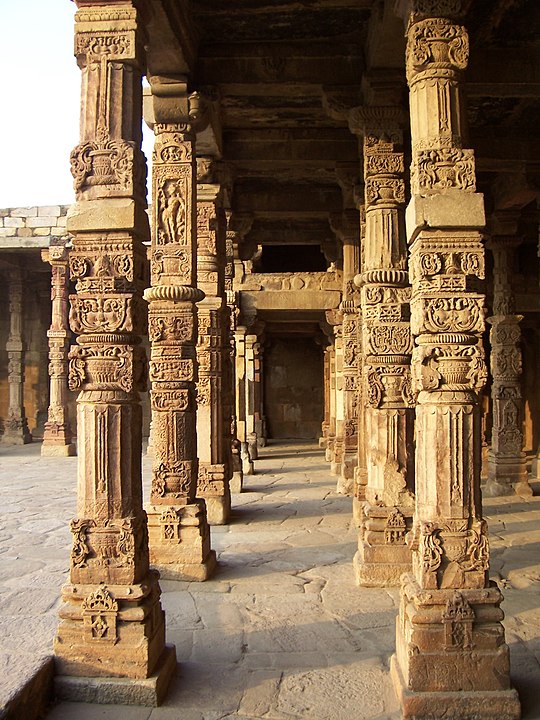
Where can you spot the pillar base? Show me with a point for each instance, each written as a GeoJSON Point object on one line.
{"type": "Point", "coordinates": [247, 462]}
{"type": "Point", "coordinates": [188, 572]}
{"type": "Point", "coordinates": [110, 630]}
{"type": "Point", "coordinates": [179, 539]}
{"type": "Point", "coordinates": [18, 438]}
{"type": "Point", "coordinates": [507, 476]}
{"type": "Point", "coordinates": [218, 509]}
{"type": "Point", "coordinates": [69, 450]}
{"type": "Point", "coordinates": [451, 658]}
{"type": "Point", "coordinates": [236, 483]}
{"type": "Point", "coordinates": [358, 511]}
{"type": "Point", "coordinates": [344, 485]}
{"type": "Point", "coordinates": [380, 571]}
{"type": "Point", "coordinates": [149, 692]}
{"type": "Point", "coordinates": [479, 705]}
{"type": "Point", "coordinates": [382, 555]}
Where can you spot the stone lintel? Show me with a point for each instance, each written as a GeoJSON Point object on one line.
{"type": "Point", "coordinates": [149, 692]}
{"type": "Point", "coordinates": [298, 299]}
{"type": "Point", "coordinates": [456, 209]}
{"type": "Point", "coordinates": [106, 214]}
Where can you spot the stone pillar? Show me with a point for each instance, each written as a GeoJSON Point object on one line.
{"type": "Point", "coordinates": [360, 471]}
{"type": "Point", "coordinates": [57, 436]}
{"type": "Point", "coordinates": [214, 470]}
{"type": "Point", "coordinates": [335, 442]}
{"type": "Point", "coordinates": [177, 525]}
{"type": "Point", "coordinates": [507, 469]}
{"type": "Point", "coordinates": [253, 391]}
{"type": "Point", "coordinates": [331, 437]}
{"type": "Point", "coordinates": [111, 623]}
{"type": "Point", "coordinates": [241, 399]}
{"type": "Point", "coordinates": [389, 415]}
{"type": "Point", "coordinates": [16, 430]}
{"type": "Point", "coordinates": [346, 226]}
{"type": "Point", "coordinates": [325, 427]}
{"type": "Point", "coordinates": [451, 659]}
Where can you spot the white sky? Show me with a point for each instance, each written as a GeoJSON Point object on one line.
{"type": "Point", "coordinates": [39, 111]}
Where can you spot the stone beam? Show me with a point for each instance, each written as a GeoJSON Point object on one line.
{"type": "Point", "coordinates": [290, 145]}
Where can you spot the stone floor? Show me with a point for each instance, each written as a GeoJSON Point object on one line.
{"type": "Point", "coordinates": [281, 632]}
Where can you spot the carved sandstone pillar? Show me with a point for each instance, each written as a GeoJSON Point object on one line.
{"type": "Point", "coordinates": [16, 430]}
{"type": "Point", "coordinates": [360, 471]}
{"type": "Point", "coordinates": [346, 226]}
{"type": "Point", "coordinates": [253, 392]}
{"type": "Point", "coordinates": [241, 399]}
{"type": "Point", "coordinates": [389, 415]}
{"type": "Point", "coordinates": [331, 436]}
{"type": "Point", "coordinates": [325, 426]}
{"type": "Point", "coordinates": [507, 471]}
{"type": "Point", "coordinates": [112, 623]}
{"type": "Point", "coordinates": [57, 435]}
{"type": "Point", "coordinates": [177, 524]}
{"type": "Point", "coordinates": [451, 659]}
{"type": "Point", "coordinates": [214, 470]}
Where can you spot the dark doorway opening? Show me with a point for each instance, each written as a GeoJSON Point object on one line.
{"type": "Point", "coordinates": [293, 388]}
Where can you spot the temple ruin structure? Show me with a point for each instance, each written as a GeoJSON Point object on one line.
{"type": "Point", "coordinates": [342, 245]}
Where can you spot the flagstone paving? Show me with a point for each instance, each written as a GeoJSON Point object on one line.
{"type": "Point", "coordinates": [281, 631]}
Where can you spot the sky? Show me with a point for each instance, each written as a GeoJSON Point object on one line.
{"type": "Point", "coordinates": [39, 111]}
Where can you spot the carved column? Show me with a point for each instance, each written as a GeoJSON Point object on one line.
{"type": "Point", "coordinates": [57, 435]}
{"type": "Point", "coordinates": [507, 470]}
{"type": "Point", "coordinates": [346, 226]}
{"type": "Point", "coordinates": [214, 470]}
{"type": "Point", "coordinates": [177, 524]}
{"type": "Point", "coordinates": [325, 427]}
{"type": "Point", "coordinates": [389, 415]}
{"type": "Point", "coordinates": [360, 471]}
{"type": "Point", "coordinates": [331, 437]}
{"type": "Point", "coordinates": [241, 399]}
{"type": "Point", "coordinates": [253, 389]}
{"type": "Point", "coordinates": [16, 430]}
{"type": "Point", "coordinates": [451, 659]}
{"type": "Point", "coordinates": [112, 623]}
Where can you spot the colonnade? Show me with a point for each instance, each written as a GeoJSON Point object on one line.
{"type": "Point", "coordinates": [403, 370]}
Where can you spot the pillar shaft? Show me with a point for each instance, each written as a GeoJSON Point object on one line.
{"type": "Point", "coordinates": [112, 622]}
{"type": "Point", "coordinates": [507, 469]}
{"type": "Point", "coordinates": [385, 295]}
{"type": "Point", "coordinates": [177, 523]}
{"type": "Point", "coordinates": [212, 347]}
{"type": "Point", "coordinates": [16, 430]}
{"type": "Point", "coordinates": [451, 659]}
{"type": "Point", "coordinates": [57, 436]}
{"type": "Point", "coordinates": [346, 226]}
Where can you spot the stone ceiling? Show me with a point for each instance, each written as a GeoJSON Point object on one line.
{"type": "Point", "coordinates": [282, 72]}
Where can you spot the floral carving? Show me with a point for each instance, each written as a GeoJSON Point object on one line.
{"type": "Point", "coordinates": [443, 169]}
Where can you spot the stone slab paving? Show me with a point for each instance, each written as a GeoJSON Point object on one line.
{"type": "Point", "coordinates": [281, 632]}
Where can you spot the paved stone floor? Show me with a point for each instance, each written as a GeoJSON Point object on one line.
{"type": "Point", "coordinates": [281, 632]}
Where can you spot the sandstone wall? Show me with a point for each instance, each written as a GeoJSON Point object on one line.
{"type": "Point", "coordinates": [293, 390]}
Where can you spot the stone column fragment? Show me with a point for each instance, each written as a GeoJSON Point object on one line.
{"type": "Point", "coordinates": [111, 623]}
{"type": "Point", "coordinates": [507, 465]}
{"type": "Point", "coordinates": [383, 554]}
{"type": "Point", "coordinates": [451, 659]}
{"type": "Point", "coordinates": [57, 439]}
{"type": "Point", "coordinates": [177, 523]}
{"type": "Point", "coordinates": [16, 430]}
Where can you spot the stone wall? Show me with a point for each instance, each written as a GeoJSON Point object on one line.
{"type": "Point", "coordinates": [293, 390]}
{"type": "Point", "coordinates": [25, 227]}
